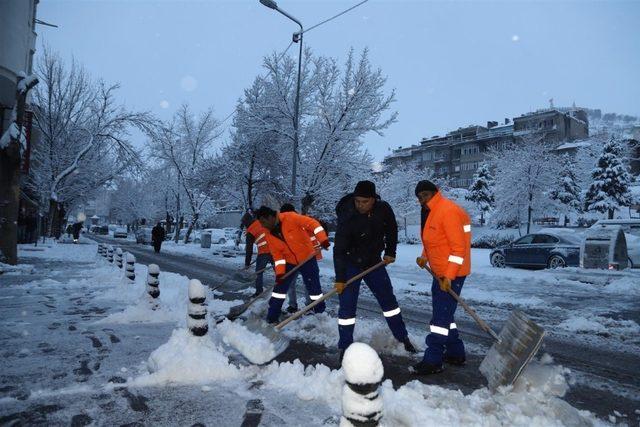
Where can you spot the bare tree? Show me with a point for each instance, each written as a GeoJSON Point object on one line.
{"type": "Point", "coordinates": [523, 173]}
{"type": "Point", "coordinates": [184, 143]}
{"type": "Point", "coordinates": [85, 136]}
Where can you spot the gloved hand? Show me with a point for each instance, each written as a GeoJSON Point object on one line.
{"type": "Point", "coordinates": [445, 284]}
{"type": "Point", "coordinates": [325, 244]}
{"type": "Point", "coordinates": [422, 262]}
{"type": "Point", "coordinates": [388, 259]}
{"type": "Point", "coordinates": [339, 287]}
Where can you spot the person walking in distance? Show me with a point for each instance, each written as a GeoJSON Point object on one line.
{"type": "Point", "coordinates": [157, 237]}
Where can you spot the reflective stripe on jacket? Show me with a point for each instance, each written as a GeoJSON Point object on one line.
{"type": "Point", "coordinates": [446, 238]}
{"type": "Point", "coordinates": [296, 230]}
{"type": "Point", "coordinates": [259, 234]}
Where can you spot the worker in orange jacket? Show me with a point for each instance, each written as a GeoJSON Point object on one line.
{"type": "Point", "coordinates": [292, 294]}
{"type": "Point", "coordinates": [256, 234]}
{"type": "Point", "coordinates": [446, 240]}
{"type": "Point", "coordinates": [289, 243]}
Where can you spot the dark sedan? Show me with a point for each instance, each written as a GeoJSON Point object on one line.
{"type": "Point", "coordinates": [539, 250]}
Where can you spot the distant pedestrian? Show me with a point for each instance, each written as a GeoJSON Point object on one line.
{"type": "Point", "coordinates": [75, 229]}
{"type": "Point", "coordinates": [157, 237]}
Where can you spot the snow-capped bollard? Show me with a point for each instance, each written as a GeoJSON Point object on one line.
{"type": "Point", "coordinates": [361, 400]}
{"type": "Point", "coordinates": [153, 283]}
{"type": "Point", "coordinates": [110, 254]}
{"type": "Point", "coordinates": [130, 268]}
{"type": "Point", "coordinates": [118, 257]}
{"type": "Point", "coordinates": [100, 249]}
{"type": "Point", "coordinates": [197, 311]}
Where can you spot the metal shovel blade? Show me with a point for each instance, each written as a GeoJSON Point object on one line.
{"type": "Point", "coordinates": [519, 341]}
{"type": "Point", "coordinates": [279, 342]}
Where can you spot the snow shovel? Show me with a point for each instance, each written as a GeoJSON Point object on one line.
{"type": "Point", "coordinates": [272, 333]}
{"type": "Point", "coordinates": [512, 350]}
{"type": "Point", "coordinates": [237, 310]}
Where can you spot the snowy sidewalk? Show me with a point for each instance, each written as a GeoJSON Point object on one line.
{"type": "Point", "coordinates": [79, 347]}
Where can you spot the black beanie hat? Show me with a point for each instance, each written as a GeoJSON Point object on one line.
{"type": "Point", "coordinates": [287, 207]}
{"type": "Point", "coordinates": [265, 212]}
{"type": "Point", "coordinates": [425, 185]}
{"type": "Point", "coordinates": [365, 189]}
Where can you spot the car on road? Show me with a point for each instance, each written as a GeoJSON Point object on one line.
{"type": "Point", "coordinates": [143, 235]}
{"type": "Point", "coordinates": [231, 233]}
{"type": "Point", "coordinates": [102, 230]}
{"type": "Point", "coordinates": [539, 250]}
{"type": "Point", "coordinates": [120, 233]}
{"type": "Point", "coordinates": [631, 230]}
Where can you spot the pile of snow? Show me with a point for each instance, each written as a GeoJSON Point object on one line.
{"type": "Point", "coordinates": [255, 347]}
{"type": "Point", "coordinates": [308, 383]}
{"type": "Point", "coordinates": [601, 325]}
{"type": "Point", "coordinates": [624, 285]}
{"type": "Point", "coordinates": [535, 400]}
{"type": "Point", "coordinates": [187, 359]}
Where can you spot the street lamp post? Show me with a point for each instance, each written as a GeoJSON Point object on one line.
{"type": "Point", "coordinates": [297, 38]}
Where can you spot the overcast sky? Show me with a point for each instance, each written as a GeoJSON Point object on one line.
{"type": "Point", "coordinates": [452, 63]}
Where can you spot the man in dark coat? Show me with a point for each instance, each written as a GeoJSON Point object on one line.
{"type": "Point", "coordinates": [367, 228]}
{"type": "Point", "coordinates": [157, 237]}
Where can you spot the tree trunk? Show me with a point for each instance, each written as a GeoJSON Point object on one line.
{"type": "Point", "coordinates": [529, 212]}
{"type": "Point", "coordinates": [306, 202]}
{"type": "Point", "coordinates": [481, 218]}
{"type": "Point", "coordinates": [406, 235]}
{"type": "Point", "coordinates": [9, 201]}
{"type": "Point", "coordinates": [611, 212]}
{"type": "Point", "coordinates": [55, 218]}
{"type": "Point", "coordinates": [191, 226]}
{"type": "Point", "coordinates": [176, 236]}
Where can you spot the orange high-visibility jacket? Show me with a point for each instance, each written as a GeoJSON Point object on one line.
{"type": "Point", "coordinates": [259, 233]}
{"type": "Point", "coordinates": [446, 238]}
{"type": "Point", "coordinates": [296, 245]}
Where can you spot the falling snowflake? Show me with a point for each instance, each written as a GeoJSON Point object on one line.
{"type": "Point", "coordinates": [351, 91]}
{"type": "Point", "coordinates": [188, 83]}
{"type": "Point", "coordinates": [515, 38]}
{"type": "Point", "coordinates": [164, 104]}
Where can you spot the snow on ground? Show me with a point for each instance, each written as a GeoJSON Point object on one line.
{"type": "Point", "coordinates": [294, 394]}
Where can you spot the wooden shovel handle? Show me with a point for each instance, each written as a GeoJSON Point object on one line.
{"type": "Point", "coordinates": [287, 274]}
{"type": "Point", "coordinates": [329, 294]}
{"type": "Point", "coordinates": [483, 325]}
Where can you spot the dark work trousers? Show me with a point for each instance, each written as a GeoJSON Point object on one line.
{"type": "Point", "coordinates": [443, 336]}
{"type": "Point", "coordinates": [261, 262]}
{"type": "Point", "coordinates": [380, 285]}
{"type": "Point", "coordinates": [310, 276]}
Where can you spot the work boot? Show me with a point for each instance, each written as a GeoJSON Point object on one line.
{"type": "Point", "coordinates": [291, 309]}
{"type": "Point", "coordinates": [424, 368]}
{"type": "Point", "coordinates": [409, 346]}
{"type": "Point", "coordinates": [454, 360]}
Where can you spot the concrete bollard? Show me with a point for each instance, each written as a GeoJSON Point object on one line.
{"type": "Point", "coordinates": [118, 257]}
{"type": "Point", "coordinates": [197, 310]}
{"type": "Point", "coordinates": [110, 254]}
{"type": "Point", "coordinates": [361, 400]}
{"type": "Point", "coordinates": [153, 283]}
{"type": "Point", "coordinates": [130, 268]}
{"type": "Point", "coordinates": [100, 252]}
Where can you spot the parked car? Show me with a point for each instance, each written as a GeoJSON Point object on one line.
{"type": "Point", "coordinates": [143, 235]}
{"type": "Point", "coordinates": [101, 230]}
{"type": "Point", "coordinates": [539, 250]}
{"type": "Point", "coordinates": [120, 233]}
{"type": "Point", "coordinates": [631, 229]}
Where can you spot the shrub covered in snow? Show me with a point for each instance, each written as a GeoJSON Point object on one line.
{"type": "Point", "coordinates": [491, 241]}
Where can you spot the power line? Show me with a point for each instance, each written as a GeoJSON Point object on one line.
{"type": "Point", "coordinates": [334, 17]}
